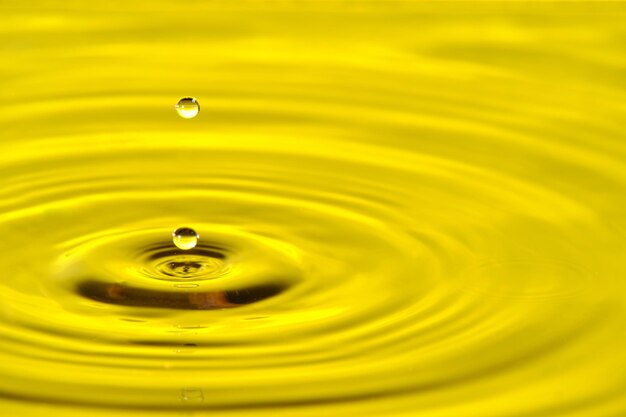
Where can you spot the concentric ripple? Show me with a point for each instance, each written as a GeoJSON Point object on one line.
{"type": "Point", "coordinates": [405, 209]}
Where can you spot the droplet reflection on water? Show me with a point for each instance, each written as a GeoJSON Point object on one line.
{"type": "Point", "coordinates": [187, 107]}
{"type": "Point", "coordinates": [185, 238]}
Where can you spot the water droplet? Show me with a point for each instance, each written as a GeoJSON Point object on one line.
{"type": "Point", "coordinates": [187, 107]}
{"type": "Point", "coordinates": [185, 238]}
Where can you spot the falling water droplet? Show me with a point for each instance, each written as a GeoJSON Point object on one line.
{"type": "Point", "coordinates": [185, 238]}
{"type": "Point", "coordinates": [187, 107]}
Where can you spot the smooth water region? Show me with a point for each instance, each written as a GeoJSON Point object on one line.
{"type": "Point", "coordinates": [405, 209]}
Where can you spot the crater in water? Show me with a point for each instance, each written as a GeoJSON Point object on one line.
{"type": "Point", "coordinates": [126, 295]}
{"type": "Point", "coordinates": [126, 270]}
{"type": "Point", "coordinates": [200, 263]}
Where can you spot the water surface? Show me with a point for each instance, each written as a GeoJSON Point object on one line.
{"type": "Point", "coordinates": [405, 209]}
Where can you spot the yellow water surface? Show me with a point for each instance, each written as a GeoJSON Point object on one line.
{"type": "Point", "coordinates": [405, 208]}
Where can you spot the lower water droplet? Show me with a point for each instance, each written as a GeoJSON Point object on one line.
{"type": "Point", "coordinates": [185, 238]}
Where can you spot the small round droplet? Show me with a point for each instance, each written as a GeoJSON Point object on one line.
{"type": "Point", "coordinates": [187, 107]}
{"type": "Point", "coordinates": [185, 238]}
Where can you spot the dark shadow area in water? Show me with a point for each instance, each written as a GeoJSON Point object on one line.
{"type": "Point", "coordinates": [124, 295]}
{"type": "Point", "coordinates": [162, 251]}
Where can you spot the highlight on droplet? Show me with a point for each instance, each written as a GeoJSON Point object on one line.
{"type": "Point", "coordinates": [187, 107]}
{"type": "Point", "coordinates": [185, 238]}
